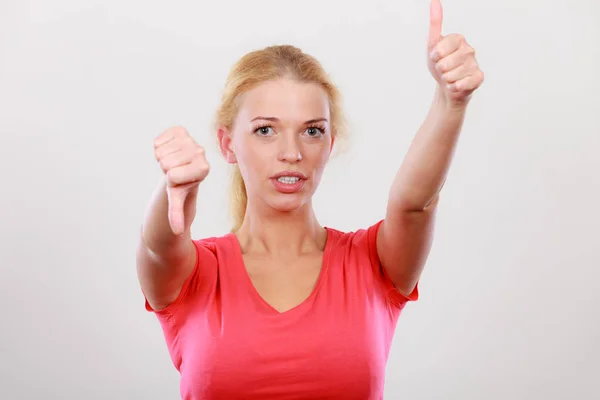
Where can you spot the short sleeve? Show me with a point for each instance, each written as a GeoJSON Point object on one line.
{"type": "Point", "coordinates": [381, 275]}
{"type": "Point", "coordinates": [198, 286]}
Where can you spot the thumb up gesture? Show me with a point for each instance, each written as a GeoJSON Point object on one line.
{"type": "Point", "coordinates": [451, 60]}
{"type": "Point", "coordinates": [185, 166]}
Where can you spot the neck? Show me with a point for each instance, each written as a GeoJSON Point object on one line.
{"type": "Point", "coordinates": [281, 233]}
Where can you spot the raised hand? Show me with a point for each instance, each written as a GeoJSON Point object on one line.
{"type": "Point", "coordinates": [451, 60]}
{"type": "Point", "coordinates": [185, 165]}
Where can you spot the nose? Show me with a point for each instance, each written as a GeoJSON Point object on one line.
{"type": "Point", "coordinates": [290, 151]}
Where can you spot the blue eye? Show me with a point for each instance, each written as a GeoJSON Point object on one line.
{"type": "Point", "coordinates": [263, 130]}
{"type": "Point", "coordinates": [314, 131]}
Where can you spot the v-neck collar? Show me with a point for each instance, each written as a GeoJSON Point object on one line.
{"type": "Point", "coordinates": [245, 276]}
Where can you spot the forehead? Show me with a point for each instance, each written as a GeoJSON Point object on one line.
{"type": "Point", "coordinates": [285, 99]}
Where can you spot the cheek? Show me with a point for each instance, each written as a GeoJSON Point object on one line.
{"type": "Point", "coordinates": [251, 158]}
{"type": "Point", "coordinates": [318, 159]}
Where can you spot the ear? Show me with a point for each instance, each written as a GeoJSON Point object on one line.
{"type": "Point", "coordinates": [226, 145]}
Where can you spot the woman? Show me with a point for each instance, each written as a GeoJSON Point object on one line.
{"type": "Point", "coordinates": [283, 307]}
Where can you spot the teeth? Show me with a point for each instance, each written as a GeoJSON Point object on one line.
{"type": "Point", "coordinates": [288, 179]}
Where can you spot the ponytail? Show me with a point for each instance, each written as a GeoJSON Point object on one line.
{"type": "Point", "coordinates": [238, 198]}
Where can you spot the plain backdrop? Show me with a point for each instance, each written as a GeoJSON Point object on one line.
{"type": "Point", "coordinates": [509, 298]}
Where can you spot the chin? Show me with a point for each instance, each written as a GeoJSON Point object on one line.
{"type": "Point", "coordinates": [288, 202]}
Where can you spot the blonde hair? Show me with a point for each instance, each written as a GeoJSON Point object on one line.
{"type": "Point", "coordinates": [273, 62]}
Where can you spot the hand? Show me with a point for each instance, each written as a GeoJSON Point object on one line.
{"type": "Point", "coordinates": [451, 61]}
{"type": "Point", "coordinates": [185, 165]}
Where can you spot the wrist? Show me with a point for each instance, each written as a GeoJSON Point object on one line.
{"type": "Point", "coordinates": [446, 105]}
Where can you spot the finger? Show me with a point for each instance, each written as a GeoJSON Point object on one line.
{"type": "Point", "coordinates": [435, 23]}
{"type": "Point", "coordinates": [468, 83]}
{"type": "Point", "coordinates": [177, 159]}
{"type": "Point", "coordinates": [169, 135]}
{"type": "Point", "coordinates": [176, 199]}
{"type": "Point", "coordinates": [448, 45]}
{"type": "Point", "coordinates": [163, 138]}
{"type": "Point", "coordinates": [454, 60]}
{"type": "Point", "coordinates": [173, 146]}
{"type": "Point", "coordinates": [193, 172]}
{"type": "Point", "coordinates": [456, 74]}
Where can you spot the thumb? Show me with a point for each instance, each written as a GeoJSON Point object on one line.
{"type": "Point", "coordinates": [176, 198]}
{"type": "Point", "coordinates": [435, 23]}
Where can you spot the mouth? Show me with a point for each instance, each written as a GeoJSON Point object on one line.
{"type": "Point", "coordinates": [289, 181]}
{"type": "Point", "coordinates": [289, 176]}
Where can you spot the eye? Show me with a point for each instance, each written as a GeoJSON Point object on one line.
{"type": "Point", "coordinates": [264, 130]}
{"type": "Point", "coordinates": [315, 131]}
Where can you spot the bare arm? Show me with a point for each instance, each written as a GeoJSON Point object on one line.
{"type": "Point", "coordinates": [166, 253]}
{"type": "Point", "coordinates": [406, 235]}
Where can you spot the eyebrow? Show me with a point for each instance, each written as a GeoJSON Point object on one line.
{"type": "Point", "coordinates": [275, 119]}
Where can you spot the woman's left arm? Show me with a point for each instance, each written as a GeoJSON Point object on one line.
{"type": "Point", "coordinates": [406, 234]}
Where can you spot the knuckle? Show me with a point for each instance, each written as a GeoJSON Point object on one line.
{"type": "Point", "coordinates": [202, 164]}
{"type": "Point", "coordinates": [159, 154]}
{"type": "Point", "coordinates": [179, 131]}
{"type": "Point", "coordinates": [202, 170]}
{"type": "Point", "coordinates": [163, 165]}
{"type": "Point", "coordinates": [471, 65]}
{"type": "Point", "coordinates": [454, 38]}
{"type": "Point", "coordinates": [202, 174]}
{"type": "Point", "coordinates": [174, 177]}
{"type": "Point", "coordinates": [188, 141]}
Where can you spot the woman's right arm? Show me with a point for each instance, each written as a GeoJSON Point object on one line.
{"type": "Point", "coordinates": [166, 254]}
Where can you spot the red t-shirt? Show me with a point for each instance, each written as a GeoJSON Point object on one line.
{"type": "Point", "coordinates": [228, 343]}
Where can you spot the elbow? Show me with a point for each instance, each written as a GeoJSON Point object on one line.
{"type": "Point", "coordinates": [414, 204]}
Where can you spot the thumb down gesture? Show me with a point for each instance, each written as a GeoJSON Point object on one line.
{"type": "Point", "coordinates": [184, 163]}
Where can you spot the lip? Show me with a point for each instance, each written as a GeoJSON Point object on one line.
{"type": "Point", "coordinates": [289, 188]}
{"type": "Point", "coordinates": [295, 174]}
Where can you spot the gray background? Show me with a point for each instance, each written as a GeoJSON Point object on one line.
{"type": "Point", "coordinates": [509, 298]}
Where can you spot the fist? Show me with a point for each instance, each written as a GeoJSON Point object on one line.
{"type": "Point", "coordinates": [451, 60]}
{"type": "Point", "coordinates": [184, 163]}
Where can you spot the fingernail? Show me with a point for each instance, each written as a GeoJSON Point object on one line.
{"type": "Point", "coordinates": [434, 55]}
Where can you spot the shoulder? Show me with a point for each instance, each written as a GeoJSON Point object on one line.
{"type": "Point", "coordinates": [214, 253]}
{"type": "Point", "coordinates": [362, 239]}
{"type": "Point", "coordinates": [214, 244]}
{"type": "Point", "coordinates": [355, 252]}
{"type": "Point", "coordinates": [201, 284]}
{"type": "Point", "coordinates": [354, 248]}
